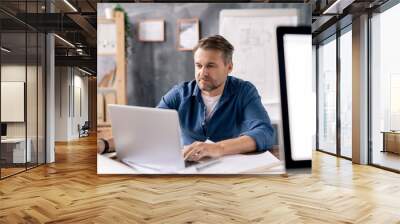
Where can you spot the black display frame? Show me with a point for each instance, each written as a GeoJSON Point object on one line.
{"type": "Point", "coordinates": [290, 163]}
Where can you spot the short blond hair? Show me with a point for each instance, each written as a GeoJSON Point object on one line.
{"type": "Point", "coordinates": [217, 42]}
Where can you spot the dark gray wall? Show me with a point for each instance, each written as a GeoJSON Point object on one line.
{"type": "Point", "coordinates": [153, 68]}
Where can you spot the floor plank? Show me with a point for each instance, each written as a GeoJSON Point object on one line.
{"type": "Point", "coordinates": [70, 191]}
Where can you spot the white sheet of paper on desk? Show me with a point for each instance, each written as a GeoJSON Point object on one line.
{"type": "Point", "coordinates": [236, 164]}
{"type": "Point", "coordinates": [106, 165]}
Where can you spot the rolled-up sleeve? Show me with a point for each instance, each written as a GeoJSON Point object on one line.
{"type": "Point", "coordinates": [256, 123]}
{"type": "Point", "coordinates": [170, 100]}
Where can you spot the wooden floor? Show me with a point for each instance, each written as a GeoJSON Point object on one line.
{"type": "Point", "coordinates": [70, 191]}
{"type": "Point", "coordinates": [10, 171]}
{"type": "Point", "coordinates": [387, 159]}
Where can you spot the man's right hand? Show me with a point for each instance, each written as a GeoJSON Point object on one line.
{"type": "Point", "coordinates": [198, 150]}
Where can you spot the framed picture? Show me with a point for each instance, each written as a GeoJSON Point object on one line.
{"type": "Point", "coordinates": [106, 38]}
{"type": "Point", "coordinates": [151, 30]}
{"type": "Point", "coordinates": [188, 34]}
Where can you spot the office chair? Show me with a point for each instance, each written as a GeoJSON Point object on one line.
{"type": "Point", "coordinates": [84, 130]}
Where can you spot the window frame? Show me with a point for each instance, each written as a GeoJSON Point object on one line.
{"type": "Point", "coordinates": [378, 10]}
{"type": "Point", "coordinates": [333, 37]}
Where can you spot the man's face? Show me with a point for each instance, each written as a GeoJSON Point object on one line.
{"type": "Point", "coordinates": [210, 70]}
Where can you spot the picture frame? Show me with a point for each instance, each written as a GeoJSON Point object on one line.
{"type": "Point", "coordinates": [188, 34]}
{"type": "Point", "coordinates": [151, 30]}
{"type": "Point", "coordinates": [107, 37]}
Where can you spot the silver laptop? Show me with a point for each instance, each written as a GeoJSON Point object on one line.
{"type": "Point", "coordinates": [148, 138]}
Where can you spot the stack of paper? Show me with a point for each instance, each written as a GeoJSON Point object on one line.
{"type": "Point", "coordinates": [237, 164]}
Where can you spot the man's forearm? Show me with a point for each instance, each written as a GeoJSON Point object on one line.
{"type": "Point", "coordinates": [237, 145]}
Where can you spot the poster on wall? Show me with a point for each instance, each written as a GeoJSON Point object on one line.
{"type": "Point", "coordinates": [151, 30]}
{"type": "Point", "coordinates": [188, 34]}
{"type": "Point", "coordinates": [12, 99]}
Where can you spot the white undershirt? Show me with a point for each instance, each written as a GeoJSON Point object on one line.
{"type": "Point", "coordinates": [210, 102]}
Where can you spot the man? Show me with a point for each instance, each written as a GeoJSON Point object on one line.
{"type": "Point", "coordinates": [218, 107]}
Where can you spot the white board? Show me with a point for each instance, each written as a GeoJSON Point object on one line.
{"type": "Point", "coordinates": [12, 101]}
{"type": "Point", "coordinates": [252, 32]}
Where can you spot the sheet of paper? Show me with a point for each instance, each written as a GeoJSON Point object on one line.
{"type": "Point", "coordinates": [106, 165]}
{"type": "Point", "coordinates": [237, 164]}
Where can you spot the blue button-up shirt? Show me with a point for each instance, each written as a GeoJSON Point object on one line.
{"type": "Point", "coordinates": [238, 112]}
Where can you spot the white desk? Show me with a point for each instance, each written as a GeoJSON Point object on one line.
{"type": "Point", "coordinates": [18, 150]}
{"type": "Point", "coordinates": [106, 164]}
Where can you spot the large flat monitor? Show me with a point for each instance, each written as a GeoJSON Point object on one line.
{"type": "Point", "coordinates": [297, 94]}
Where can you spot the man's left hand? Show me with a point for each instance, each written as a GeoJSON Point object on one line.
{"type": "Point", "coordinates": [198, 150]}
